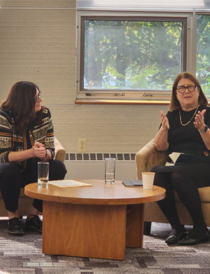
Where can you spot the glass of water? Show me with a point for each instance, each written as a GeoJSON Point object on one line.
{"type": "Point", "coordinates": [110, 164]}
{"type": "Point", "coordinates": [43, 174]}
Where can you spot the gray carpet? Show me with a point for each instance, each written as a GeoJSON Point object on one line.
{"type": "Point", "coordinates": [24, 255]}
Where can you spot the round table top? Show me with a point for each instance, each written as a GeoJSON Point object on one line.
{"type": "Point", "coordinates": [99, 193]}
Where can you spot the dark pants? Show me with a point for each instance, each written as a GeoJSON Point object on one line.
{"type": "Point", "coordinates": [11, 181]}
{"type": "Point", "coordinates": [188, 194]}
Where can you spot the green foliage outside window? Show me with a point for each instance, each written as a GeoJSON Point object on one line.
{"type": "Point", "coordinates": [132, 55]}
{"type": "Point", "coordinates": [141, 55]}
{"type": "Point", "coordinates": [203, 52]}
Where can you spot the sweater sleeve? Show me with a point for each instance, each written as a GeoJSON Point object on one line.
{"type": "Point", "coordinates": [49, 139]}
{"type": "Point", "coordinates": [6, 136]}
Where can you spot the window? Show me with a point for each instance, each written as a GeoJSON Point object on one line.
{"type": "Point", "coordinates": [203, 52]}
{"type": "Point", "coordinates": [124, 57]}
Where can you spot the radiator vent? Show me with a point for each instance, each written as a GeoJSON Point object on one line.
{"type": "Point", "coordinates": [99, 156]}
{"type": "Point", "coordinates": [91, 165]}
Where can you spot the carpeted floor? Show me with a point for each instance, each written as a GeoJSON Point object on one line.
{"type": "Point", "coordinates": [24, 255]}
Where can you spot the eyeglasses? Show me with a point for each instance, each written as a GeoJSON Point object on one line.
{"type": "Point", "coordinates": [37, 97]}
{"type": "Point", "coordinates": [182, 89]}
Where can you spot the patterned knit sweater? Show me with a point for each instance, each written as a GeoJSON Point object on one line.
{"type": "Point", "coordinates": [9, 141]}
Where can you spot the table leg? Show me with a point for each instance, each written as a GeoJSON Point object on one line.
{"type": "Point", "coordinates": [96, 231]}
{"type": "Point", "coordinates": [135, 225]}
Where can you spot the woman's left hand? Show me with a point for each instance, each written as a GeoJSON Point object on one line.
{"type": "Point", "coordinates": [39, 149]}
{"type": "Point", "coordinates": [199, 120]}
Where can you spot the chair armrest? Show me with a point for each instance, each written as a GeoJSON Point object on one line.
{"type": "Point", "coordinates": [149, 156]}
{"type": "Point", "coordinates": [60, 152]}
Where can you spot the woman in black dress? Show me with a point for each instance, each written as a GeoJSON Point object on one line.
{"type": "Point", "coordinates": [185, 128]}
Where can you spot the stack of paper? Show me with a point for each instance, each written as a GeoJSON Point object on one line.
{"type": "Point", "coordinates": [68, 183]}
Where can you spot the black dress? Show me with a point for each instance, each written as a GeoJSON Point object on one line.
{"type": "Point", "coordinates": [187, 139]}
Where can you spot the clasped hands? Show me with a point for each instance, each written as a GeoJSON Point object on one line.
{"type": "Point", "coordinates": [198, 122]}
{"type": "Point", "coordinates": [39, 150]}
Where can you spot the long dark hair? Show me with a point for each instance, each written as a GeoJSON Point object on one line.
{"type": "Point", "coordinates": [21, 102]}
{"type": "Point", "coordinates": [174, 104]}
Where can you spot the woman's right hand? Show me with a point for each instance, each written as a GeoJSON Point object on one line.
{"type": "Point", "coordinates": [164, 121]}
{"type": "Point", "coordinates": [161, 138]}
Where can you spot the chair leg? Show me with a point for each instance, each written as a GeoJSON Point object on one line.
{"type": "Point", "coordinates": [147, 228]}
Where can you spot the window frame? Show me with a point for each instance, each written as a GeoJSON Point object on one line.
{"type": "Point", "coordinates": [127, 96]}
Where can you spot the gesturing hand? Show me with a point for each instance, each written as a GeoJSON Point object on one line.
{"type": "Point", "coordinates": [164, 121]}
{"type": "Point", "coordinates": [199, 120]}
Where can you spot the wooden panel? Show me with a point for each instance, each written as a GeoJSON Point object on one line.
{"type": "Point", "coordinates": [134, 226]}
{"type": "Point", "coordinates": [84, 231]}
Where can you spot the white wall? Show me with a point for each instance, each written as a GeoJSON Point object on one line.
{"type": "Point", "coordinates": [125, 170]}
{"type": "Point", "coordinates": [37, 43]}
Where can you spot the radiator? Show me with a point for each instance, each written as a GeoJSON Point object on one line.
{"type": "Point", "coordinates": [92, 165]}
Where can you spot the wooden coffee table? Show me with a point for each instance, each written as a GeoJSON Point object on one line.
{"type": "Point", "coordinates": [98, 221]}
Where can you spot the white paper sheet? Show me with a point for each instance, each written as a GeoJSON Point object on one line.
{"type": "Point", "coordinates": [68, 183]}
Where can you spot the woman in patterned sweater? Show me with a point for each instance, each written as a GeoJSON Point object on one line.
{"type": "Point", "coordinates": [26, 137]}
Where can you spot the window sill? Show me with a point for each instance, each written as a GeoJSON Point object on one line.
{"type": "Point", "coordinates": [121, 102]}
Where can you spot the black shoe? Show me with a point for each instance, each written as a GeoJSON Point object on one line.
{"type": "Point", "coordinates": [190, 241]}
{"type": "Point", "coordinates": [175, 238]}
{"type": "Point", "coordinates": [16, 227]}
{"type": "Point", "coordinates": [34, 223]}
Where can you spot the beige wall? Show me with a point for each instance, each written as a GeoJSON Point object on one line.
{"type": "Point", "coordinates": [37, 43]}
